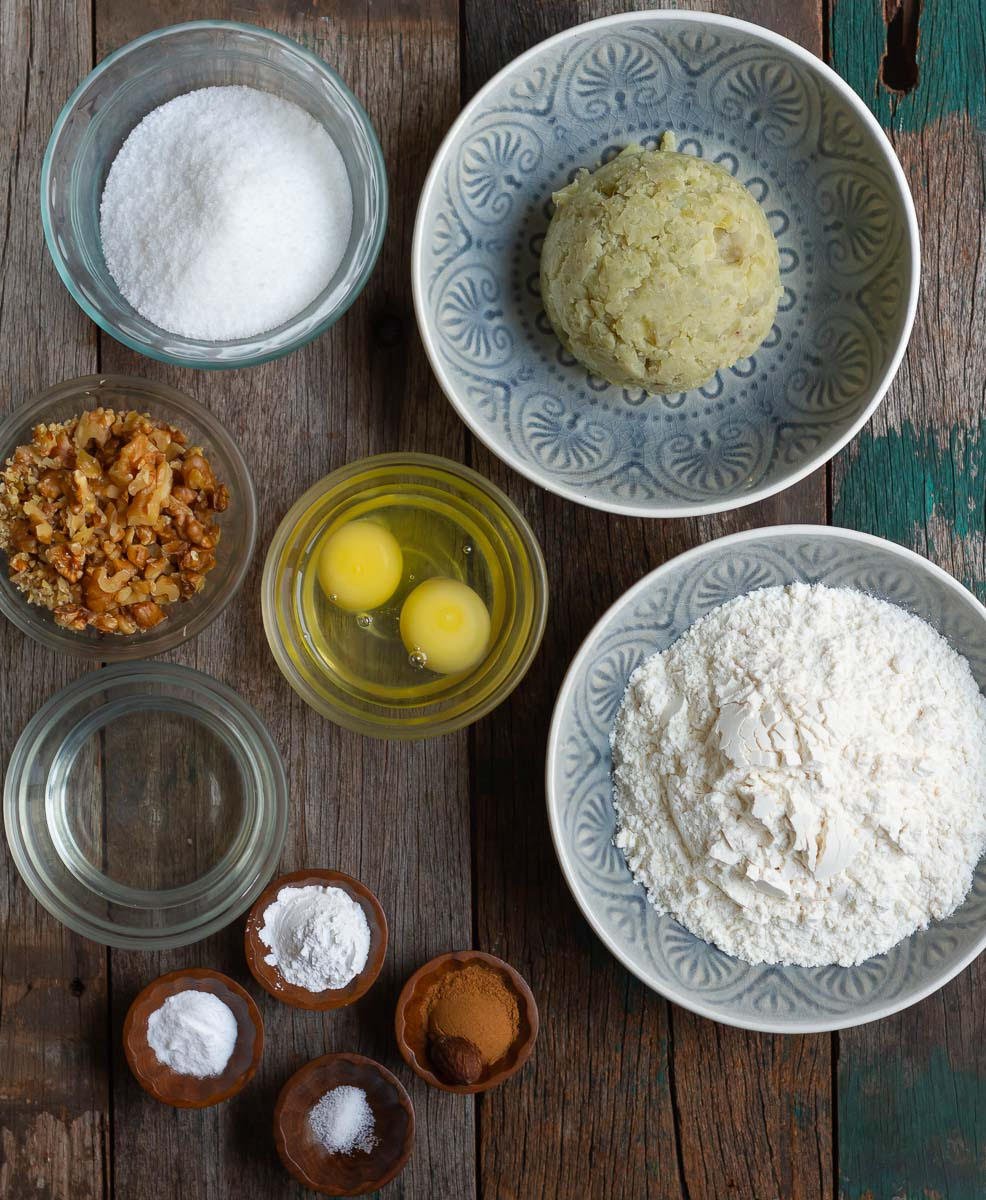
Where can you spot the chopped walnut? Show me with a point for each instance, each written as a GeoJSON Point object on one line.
{"type": "Point", "coordinates": [108, 518]}
{"type": "Point", "coordinates": [67, 561]}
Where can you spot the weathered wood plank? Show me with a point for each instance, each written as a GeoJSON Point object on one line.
{"type": "Point", "coordinates": [54, 1141]}
{"type": "Point", "coordinates": [623, 1086]}
{"type": "Point", "coordinates": [912, 1088]}
{"type": "Point", "coordinates": [396, 816]}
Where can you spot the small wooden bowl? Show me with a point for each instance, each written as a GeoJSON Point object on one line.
{"type": "Point", "coordinates": [271, 979]}
{"type": "Point", "coordinates": [343, 1174]}
{"type": "Point", "coordinates": [185, 1091]}
{"type": "Point", "coordinates": [411, 1025]}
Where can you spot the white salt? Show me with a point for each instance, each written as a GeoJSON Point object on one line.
{"type": "Point", "coordinates": [193, 1033]}
{"type": "Point", "coordinates": [226, 212]}
{"type": "Point", "coordinates": [343, 1122]}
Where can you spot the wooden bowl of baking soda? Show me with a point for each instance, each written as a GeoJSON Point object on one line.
{"type": "Point", "coordinates": [193, 1038]}
{"type": "Point", "coordinates": [316, 939]}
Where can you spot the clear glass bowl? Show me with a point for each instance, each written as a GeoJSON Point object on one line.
{"type": "Point", "coordinates": [119, 93]}
{"type": "Point", "coordinates": [351, 668]}
{"type": "Point", "coordinates": [186, 618]}
{"type": "Point", "coordinates": [145, 806]}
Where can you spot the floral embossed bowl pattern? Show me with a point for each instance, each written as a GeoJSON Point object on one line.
{"type": "Point", "coordinates": [834, 194]}
{"type": "Point", "coordinates": [647, 619]}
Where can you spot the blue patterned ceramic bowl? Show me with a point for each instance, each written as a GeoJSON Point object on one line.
{"type": "Point", "coordinates": [648, 618]}
{"type": "Point", "coordinates": [835, 196]}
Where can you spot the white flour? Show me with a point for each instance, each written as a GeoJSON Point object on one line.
{"type": "Point", "coordinates": [801, 777]}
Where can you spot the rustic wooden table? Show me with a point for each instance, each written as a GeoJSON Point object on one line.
{"type": "Point", "coordinates": [626, 1096]}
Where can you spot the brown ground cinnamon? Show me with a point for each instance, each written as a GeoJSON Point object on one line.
{"type": "Point", "coordinates": [475, 1003]}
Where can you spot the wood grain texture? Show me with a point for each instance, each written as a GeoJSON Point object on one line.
{"type": "Point", "coordinates": [624, 1087]}
{"type": "Point", "coordinates": [396, 817]}
{"type": "Point", "coordinates": [912, 1088]}
{"type": "Point", "coordinates": [53, 1045]}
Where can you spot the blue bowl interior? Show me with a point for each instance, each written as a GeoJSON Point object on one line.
{"type": "Point", "coordinates": [648, 619]}
{"type": "Point", "coordinates": [149, 72]}
{"type": "Point", "coordinates": [775, 121]}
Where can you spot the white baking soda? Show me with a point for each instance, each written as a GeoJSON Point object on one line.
{"type": "Point", "coordinates": [193, 1033]}
{"type": "Point", "coordinates": [226, 212]}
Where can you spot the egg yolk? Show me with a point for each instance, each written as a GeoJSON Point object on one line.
{"type": "Point", "coordinates": [360, 566]}
{"type": "Point", "coordinates": [448, 623]}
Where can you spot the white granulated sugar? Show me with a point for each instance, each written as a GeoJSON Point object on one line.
{"type": "Point", "coordinates": [343, 1121]}
{"type": "Point", "coordinates": [225, 213]}
{"type": "Point", "coordinates": [318, 936]}
{"type": "Point", "coordinates": [801, 777]}
{"type": "Point", "coordinates": [193, 1033]}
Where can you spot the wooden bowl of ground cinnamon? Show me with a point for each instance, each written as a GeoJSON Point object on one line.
{"type": "Point", "coordinates": [466, 1021]}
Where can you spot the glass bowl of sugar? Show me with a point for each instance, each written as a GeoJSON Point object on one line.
{"type": "Point", "coordinates": [213, 195]}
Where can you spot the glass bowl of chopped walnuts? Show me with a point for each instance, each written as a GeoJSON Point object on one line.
{"type": "Point", "coordinates": [127, 517]}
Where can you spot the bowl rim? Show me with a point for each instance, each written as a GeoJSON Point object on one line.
{"type": "Point", "coordinates": [296, 343]}
{"type": "Point", "coordinates": [544, 479]}
{"type": "Point", "coordinates": [677, 995]}
{"type": "Point", "coordinates": [396, 731]}
{"type": "Point", "coordinates": [22, 616]}
{"type": "Point", "coordinates": [103, 931]}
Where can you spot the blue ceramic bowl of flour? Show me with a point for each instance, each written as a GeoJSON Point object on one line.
{"type": "Point", "coordinates": [812, 155]}
{"type": "Point", "coordinates": [647, 619]}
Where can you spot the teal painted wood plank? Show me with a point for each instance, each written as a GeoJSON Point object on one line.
{"type": "Point", "coordinates": [931, 494]}
{"type": "Point", "coordinates": [912, 1088]}
{"type": "Point", "coordinates": [911, 1111]}
{"type": "Point", "coordinates": [951, 59]}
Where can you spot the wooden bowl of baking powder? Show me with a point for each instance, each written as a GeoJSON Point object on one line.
{"type": "Point", "coordinates": [271, 979]}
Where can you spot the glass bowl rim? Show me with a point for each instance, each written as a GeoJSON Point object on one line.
{"type": "Point", "coordinates": [375, 242]}
{"type": "Point", "coordinates": [395, 730]}
{"type": "Point", "coordinates": [273, 808]}
{"type": "Point", "coordinates": [21, 614]}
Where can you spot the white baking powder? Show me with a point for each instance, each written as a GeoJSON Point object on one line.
{"type": "Point", "coordinates": [801, 777]}
{"type": "Point", "coordinates": [343, 1121]}
{"type": "Point", "coordinates": [318, 936]}
{"type": "Point", "coordinates": [225, 213]}
{"type": "Point", "coordinates": [193, 1033]}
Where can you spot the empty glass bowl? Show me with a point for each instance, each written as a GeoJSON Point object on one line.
{"type": "Point", "coordinates": [119, 93]}
{"type": "Point", "coordinates": [145, 806]}
{"type": "Point", "coordinates": [185, 618]}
